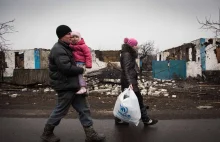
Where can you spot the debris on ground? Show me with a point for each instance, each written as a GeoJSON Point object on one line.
{"type": "Point", "coordinates": [105, 83]}
{"type": "Point", "coordinates": [13, 95]}
{"type": "Point", "coordinates": [25, 89]}
{"type": "Point", "coordinates": [46, 90]}
{"type": "Point", "coordinates": [205, 107]}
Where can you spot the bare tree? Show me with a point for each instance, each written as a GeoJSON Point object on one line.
{"type": "Point", "coordinates": [146, 49]}
{"type": "Point", "coordinates": [211, 25]}
{"type": "Point", "coordinates": [5, 28]}
{"type": "Point", "coordinates": [146, 55]}
{"type": "Point", "coordinates": [157, 50]}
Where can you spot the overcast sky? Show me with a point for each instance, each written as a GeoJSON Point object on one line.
{"type": "Point", "coordinates": [104, 23]}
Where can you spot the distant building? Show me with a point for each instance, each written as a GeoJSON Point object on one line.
{"type": "Point", "coordinates": [201, 55]}
{"type": "Point", "coordinates": [25, 59]}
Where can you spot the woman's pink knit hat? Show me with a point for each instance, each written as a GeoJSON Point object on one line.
{"type": "Point", "coordinates": [131, 42]}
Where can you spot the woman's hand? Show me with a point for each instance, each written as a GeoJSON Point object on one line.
{"type": "Point", "coordinates": [130, 86]}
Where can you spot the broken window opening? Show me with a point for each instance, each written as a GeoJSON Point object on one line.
{"type": "Point", "coordinates": [178, 54]}
{"type": "Point", "coordinates": [19, 60]}
{"type": "Point", "coordinates": [3, 65]}
{"type": "Point", "coordinates": [210, 41]}
{"type": "Point", "coordinates": [187, 54]}
{"type": "Point", "coordinates": [217, 44]}
{"type": "Point", "coordinates": [217, 50]}
{"type": "Point", "coordinates": [193, 53]}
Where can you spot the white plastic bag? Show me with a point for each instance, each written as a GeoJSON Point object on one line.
{"type": "Point", "coordinates": [127, 107]}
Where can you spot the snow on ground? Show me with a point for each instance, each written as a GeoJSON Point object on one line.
{"type": "Point", "coordinates": [97, 65]}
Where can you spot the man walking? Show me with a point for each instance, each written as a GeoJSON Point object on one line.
{"type": "Point", "coordinates": [63, 74]}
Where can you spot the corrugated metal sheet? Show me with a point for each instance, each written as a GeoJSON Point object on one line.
{"type": "Point", "coordinates": [169, 69]}
{"type": "Point", "coordinates": [160, 69]}
{"type": "Point", "coordinates": [44, 58]}
{"type": "Point", "coordinates": [177, 69]}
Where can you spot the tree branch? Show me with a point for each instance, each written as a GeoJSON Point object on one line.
{"type": "Point", "coordinates": [210, 25]}
{"type": "Point", "coordinates": [146, 49]}
{"type": "Point", "coordinates": [5, 28]}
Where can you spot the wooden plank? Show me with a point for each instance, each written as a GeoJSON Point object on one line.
{"type": "Point", "coordinates": [31, 76]}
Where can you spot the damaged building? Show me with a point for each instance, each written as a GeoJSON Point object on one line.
{"type": "Point", "coordinates": [30, 66]}
{"type": "Point", "coordinates": [108, 55]}
{"type": "Point", "coordinates": [25, 59]}
{"type": "Point", "coordinates": [27, 67]}
{"type": "Point", "coordinates": [2, 65]}
{"type": "Point", "coordinates": [201, 56]}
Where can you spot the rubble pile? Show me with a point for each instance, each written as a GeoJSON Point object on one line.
{"type": "Point", "coordinates": [106, 81]}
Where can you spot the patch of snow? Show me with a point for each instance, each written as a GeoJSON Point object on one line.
{"type": "Point", "coordinates": [96, 65]}
{"type": "Point", "coordinates": [24, 89]}
{"type": "Point", "coordinates": [13, 95]}
{"type": "Point", "coordinates": [205, 107]}
{"type": "Point", "coordinates": [46, 90]}
{"type": "Point", "coordinates": [166, 95]}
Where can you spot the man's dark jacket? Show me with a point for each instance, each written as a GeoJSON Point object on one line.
{"type": "Point", "coordinates": [63, 71]}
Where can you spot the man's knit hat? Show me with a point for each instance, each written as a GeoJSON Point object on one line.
{"type": "Point", "coordinates": [75, 33]}
{"type": "Point", "coordinates": [131, 42]}
{"type": "Point", "coordinates": [62, 30]}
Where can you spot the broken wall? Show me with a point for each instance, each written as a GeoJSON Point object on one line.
{"type": "Point", "coordinates": [209, 54]}
{"type": "Point", "coordinates": [108, 56]}
{"type": "Point", "coordinates": [111, 56]}
{"type": "Point", "coordinates": [10, 61]}
{"type": "Point", "coordinates": [211, 58]}
{"type": "Point", "coordinates": [3, 65]}
{"type": "Point", "coordinates": [193, 69]}
{"type": "Point", "coordinates": [162, 56]}
{"type": "Point", "coordinates": [197, 54]}
{"type": "Point", "coordinates": [93, 55]}
{"type": "Point", "coordinates": [29, 61]}
{"type": "Point", "coordinates": [44, 62]}
{"type": "Point", "coordinates": [181, 52]}
{"type": "Point", "coordinates": [197, 47]}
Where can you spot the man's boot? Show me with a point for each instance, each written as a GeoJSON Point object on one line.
{"type": "Point", "coordinates": [92, 135]}
{"type": "Point", "coordinates": [48, 135]}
